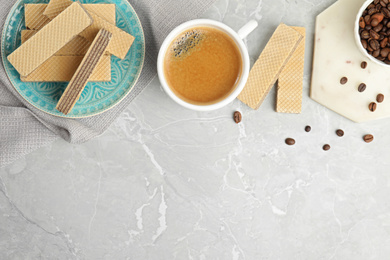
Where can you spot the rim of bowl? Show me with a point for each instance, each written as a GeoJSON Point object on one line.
{"type": "Point", "coordinates": [244, 56]}
{"type": "Point", "coordinates": [357, 35]}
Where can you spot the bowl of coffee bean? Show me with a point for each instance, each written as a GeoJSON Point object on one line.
{"type": "Point", "coordinates": [372, 31]}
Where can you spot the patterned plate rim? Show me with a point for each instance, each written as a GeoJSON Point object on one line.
{"type": "Point", "coordinates": [74, 116]}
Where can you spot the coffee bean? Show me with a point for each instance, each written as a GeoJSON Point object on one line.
{"type": "Point", "coordinates": [372, 11]}
{"type": "Point", "coordinates": [374, 22]}
{"type": "Point", "coordinates": [364, 44]}
{"type": "Point", "coordinates": [376, 53]}
{"type": "Point", "coordinates": [378, 28]}
{"type": "Point", "coordinates": [384, 42]}
{"type": "Point", "coordinates": [374, 35]}
{"type": "Point", "coordinates": [367, 18]}
{"type": "Point", "coordinates": [363, 65]}
{"type": "Point", "coordinates": [308, 128]}
{"type": "Point", "coordinates": [376, 2]}
{"type": "Point", "coordinates": [383, 3]}
{"type": "Point", "coordinates": [368, 138]}
{"type": "Point", "coordinates": [343, 80]}
{"type": "Point", "coordinates": [290, 141]}
{"type": "Point", "coordinates": [362, 87]}
{"type": "Point", "coordinates": [372, 106]}
{"type": "Point", "coordinates": [385, 52]}
{"type": "Point", "coordinates": [374, 44]}
{"type": "Point", "coordinates": [386, 13]}
{"type": "Point", "coordinates": [340, 133]}
{"type": "Point", "coordinates": [365, 34]}
{"type": "Point", "coordinates": [378, 16]}
{"type": "Point", "coordinates": [362, 23]}
{"type": "Point", "coordinates": [380, 98]}
{"type": "Point", "coordinates": [237, 117]}
{"type": "Point", "coordinates": [368, 27]}
{"type": "Point", "coordinates": [326, 147]}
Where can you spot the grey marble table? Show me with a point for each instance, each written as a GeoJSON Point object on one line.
{"type": "Point", "coordinates": [168, 183]}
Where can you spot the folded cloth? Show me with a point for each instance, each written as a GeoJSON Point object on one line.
{"type": "Point", "coordinates": [23, 128]}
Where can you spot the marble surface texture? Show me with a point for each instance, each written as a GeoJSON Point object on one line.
{"type": "Point", "coordinates": [168, 183]}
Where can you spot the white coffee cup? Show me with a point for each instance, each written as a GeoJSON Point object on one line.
{"type": "Point", "coordinates": [235, 36]}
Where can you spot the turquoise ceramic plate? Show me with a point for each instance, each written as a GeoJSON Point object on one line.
{"type": "Point", "coordinates": [97, 97]}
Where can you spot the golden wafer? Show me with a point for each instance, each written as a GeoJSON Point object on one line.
{"type": "Point", "coordinates": [270, 64]}
{"type": "Point", "coordinates": [290, 82]}
{"type": "Point", "coordinates": [50, 39]}
{"type": "Point", "coordinates": [55, 7]}
{"type": "Point", "coordinates": [62, 69]}
{"type": "Point", "coordinates": [77, 46]}
{"type": "Point", "coordinates": [33, 16]}
{"type": "Point", "coordinates": [121, 40]}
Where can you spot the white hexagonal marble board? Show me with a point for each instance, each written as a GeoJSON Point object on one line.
{"type": "Point", "coordinates": [336, 55]}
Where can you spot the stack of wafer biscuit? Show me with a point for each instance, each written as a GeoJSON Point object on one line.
{"type": "Point", "coordinates": [282, 60]}
{"type": "Point", "coordinates": [63, 42]}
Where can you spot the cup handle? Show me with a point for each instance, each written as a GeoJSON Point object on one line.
{"type": "Point", "coordinates": [247, 29]}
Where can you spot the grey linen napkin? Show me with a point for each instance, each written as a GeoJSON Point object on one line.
{"type": "Point", "coordinates": [23, 128]}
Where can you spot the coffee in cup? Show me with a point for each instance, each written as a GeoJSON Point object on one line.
{"type": "Point", "coordinates": [202, 65]}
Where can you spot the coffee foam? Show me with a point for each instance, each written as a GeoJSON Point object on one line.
{"type": "Point", "coordinates": [187, 42]}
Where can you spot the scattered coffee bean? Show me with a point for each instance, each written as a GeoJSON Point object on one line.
{"type": "Point", "coordinates": [326, 147]}
{"type": "Point", "coordinates": [340, 133]}
{"type": "Point", "coordinates": [290, 141]}
{"type": "Point", "coordinates": [380, 98]}
{"type": "Point", "coordinates": [368, 138]}
{"type": "Point", "coordinates": [308, 128]}
{"type": "Point", "coordinates": [343, 80]}
{"type": "Point", "coordinates": [237, 117]}
{"type": "Point", "coordinates": [363, 65]}
{"type": "Point", "coordinates": [372, 106]}
{"type": "Point", "coordinates": [362, 87]}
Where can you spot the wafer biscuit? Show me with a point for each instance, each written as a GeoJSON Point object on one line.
{"type": "Point", "coordinates": [77, 46]}
{"type": "Point", "coordinates": [121, 41]}
{"type": "Point", "coordinates": [84, 71]}
{"type": "Point", "coordinates": [106, 11]}
{"type": "Point", "coordinates": [33, 16]}
{"type": "Point", "coordinates": [290, 82]}
{"type": "Point", "coordinates": [62, 68]}
{"type": "Point", "coordinates": [270, 64]}
{"type": "Point", "coordinates": [50, 39]}
{"type": "Point", "coordinates": [55, 7]}
{"type": "Point", "coordinates": [35, 19]}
